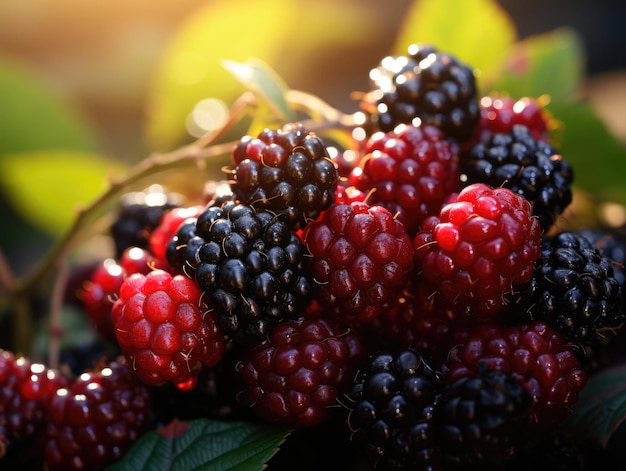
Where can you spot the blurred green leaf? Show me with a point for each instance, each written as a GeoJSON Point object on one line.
{"type": "Point", "coordinates": [258, 77]}
{"type": "Point", "coordinates": [47, 186]}
{"type": "Point", "coordinates": [282, 33]}
{"type": "Point", "coordinates": [597, 157]}
{"type": "Point", "coordinates": [551, 63]}
{"type": "Point", "coordinates": [203, 444]}
{"type": "Point", "coordinates": [601, 407]}
{"type": "Point", "coordinates": [34, 117]}
{"type": "Point", "coordinates": [478, 32]}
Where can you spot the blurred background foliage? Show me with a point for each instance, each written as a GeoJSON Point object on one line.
{"type": "Point", "coordinates": [88, 89]}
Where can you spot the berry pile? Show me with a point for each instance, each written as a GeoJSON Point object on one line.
{"type": "Point", "coordinates": [420, 296]}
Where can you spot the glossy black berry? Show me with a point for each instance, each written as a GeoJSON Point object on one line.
{"type": "Point", "coordinates": [394, 399]}
{"type": "Point", "coordinates": [527, 166]}
{"type": "Point", "coordinates": [425, 84]}
{"type": "Point", "coordinates": [573, 289]}
{"type": "Point", "coordinates": [248, 262]}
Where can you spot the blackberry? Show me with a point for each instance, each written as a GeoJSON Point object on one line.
{"type": "Point", "coordinates": [96, 419]}
{"type": "Point", "coordinates": [410, 170]}
{"type": "Point", "coordinates": [394, 398]}
{"type": "Point", "coordinates": [25, 389]}
{"type": "Point", "coordinates": [538, 358]}
{"type": "Point", "coordinates": [426, 86]}
{"type": "Point", "coordinates": [527, 166]}
{"type": "Point", "coordinates": [481, 420]}
{"type": "Point", "coordinates": [295, 376]}
{"type": "Point", "coordinates": [573, 289]}
{"type": "Point", "coordinates": [287, 171]}
{"type": "Point", "coordinates": [139, 213]}
{"type": "Point", "coordinates": [483, 243]}
{"type": "Point", "coordinates": [360, 256]}
{"type": "Point", "coordinates": [249, 263]}
{"type": "Point", "coordinates": [611, 243]}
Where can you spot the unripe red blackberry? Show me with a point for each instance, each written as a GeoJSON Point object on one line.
{"type": "Point", "coordinates": [426, 85]}
{"type": "Point", "coordinates": [25, 389]}
{"type": "Point", "coordinates": [392, 405]}
{"type": "Point", "coordinates": [96, 419]}
{"type": "Point", "coordinates": [499, 113]}
{"type": "Point", "coordinates": [480, 246]}
{"type": "Point", "coordinates": [296, 375]}
{"type": "Point", "coordinates": [286, 171]}
{"type": "Point", "coordinates": [166, 329]}
{"type": "Point", "coordinates": [536, 355]}
{"type": "Point", "coordinates": [360, 256]}
{"type": "Point", "coordinates": [410, 170]}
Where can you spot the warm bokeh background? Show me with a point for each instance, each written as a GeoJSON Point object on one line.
{"type": "Point", "coordinates": [101, 54]}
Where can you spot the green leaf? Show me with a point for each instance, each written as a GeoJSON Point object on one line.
{"type": "Point", "coordinates": [203, 444]}
{"type": "Point", "coordinates": [34, 117]}
{"type": "Point", "coordinates": [601, 407]}
{"type": "Point", "coordinates": [551, 63]}
{"type": "Point", "coordinates": [597, 157]}
{"type": "Point", "coordinates": [258, 77]}
{"type": "Point", "coordinates": [478, 32]}
{"type": "Point", "coordinates": [46, 187]}
{"type": "Point", "coordinates": [285, 34]}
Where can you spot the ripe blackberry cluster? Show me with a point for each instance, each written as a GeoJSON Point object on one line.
{"type": "Point", "coordinates": [417, 298]}
{"type": "Point", "coordinates": [425, 85]}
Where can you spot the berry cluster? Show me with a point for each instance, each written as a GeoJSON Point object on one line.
{"type": "Point", "coordinates": [421, 294]}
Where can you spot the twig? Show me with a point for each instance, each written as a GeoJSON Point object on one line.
{"type": "Point", "coordinates": [7, 280]}
{"type": "Point", "coordinates": [56, 304]}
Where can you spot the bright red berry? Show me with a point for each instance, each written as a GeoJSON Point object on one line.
{"type": "Point", "coordinates": [479, 246]}
{"type": "Point", "coordinates": [165, 329]}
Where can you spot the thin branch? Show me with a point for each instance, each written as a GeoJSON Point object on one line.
{"type": "Point", "coordinates": [56, 304]}
{"type": "Point", "coordinates": [7, 280]}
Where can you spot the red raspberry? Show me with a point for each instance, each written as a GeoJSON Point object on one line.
{"type": "Point", "coordinates": [25, 388]}
{"type": "Point", "coordinates": [478, 247]}
{"type": "Point", "coordinates": [360, 256]}
{"type": "Point", "coordinates": [499, 113]}
{"type": "Point", "coordinates": [161, 236]}
{"type": "Point", "coordinates": [410, 171]}
{"type": "Point", "coordinates": [536, 355]}
{"type": "Point", "coordinates": [96, 419]}
{"type": "Point", "coordinates": [166, 330]}
{"type": "Point", "coordinates": [295, 376]}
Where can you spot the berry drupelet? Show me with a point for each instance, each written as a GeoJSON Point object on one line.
{"type": "Point", "coordinates": [295, 376]}
{"type": "Point", "coordinates": [25, 389]}
{"type": "Point", "coordinates": [481, 244]}
{"type": "Point", "coordinates": [573, 289]}
{"type": "Point", "coordinates": [360, 257]}
{"type": "Point", "coordinates": [248, 262]}
{"type": "Point", "coordinates": [427, 86]}
{"type": "Point", "coordinates": [527, 166]}
{"type": "Point", "coordinates": [139, 213]}
{"type": "Point", "coordinates": [410, 170]}
{"type": "Point", "coordinates": [166, 329]}
{"type": "Point", "coordinates": [391, 408]}
{"type": "Point", "coordinates": [96, 419]}
{"type": "Point", "coordinates": [537, 357]}
{"type": "Point", "coordinates": [286, 171]}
